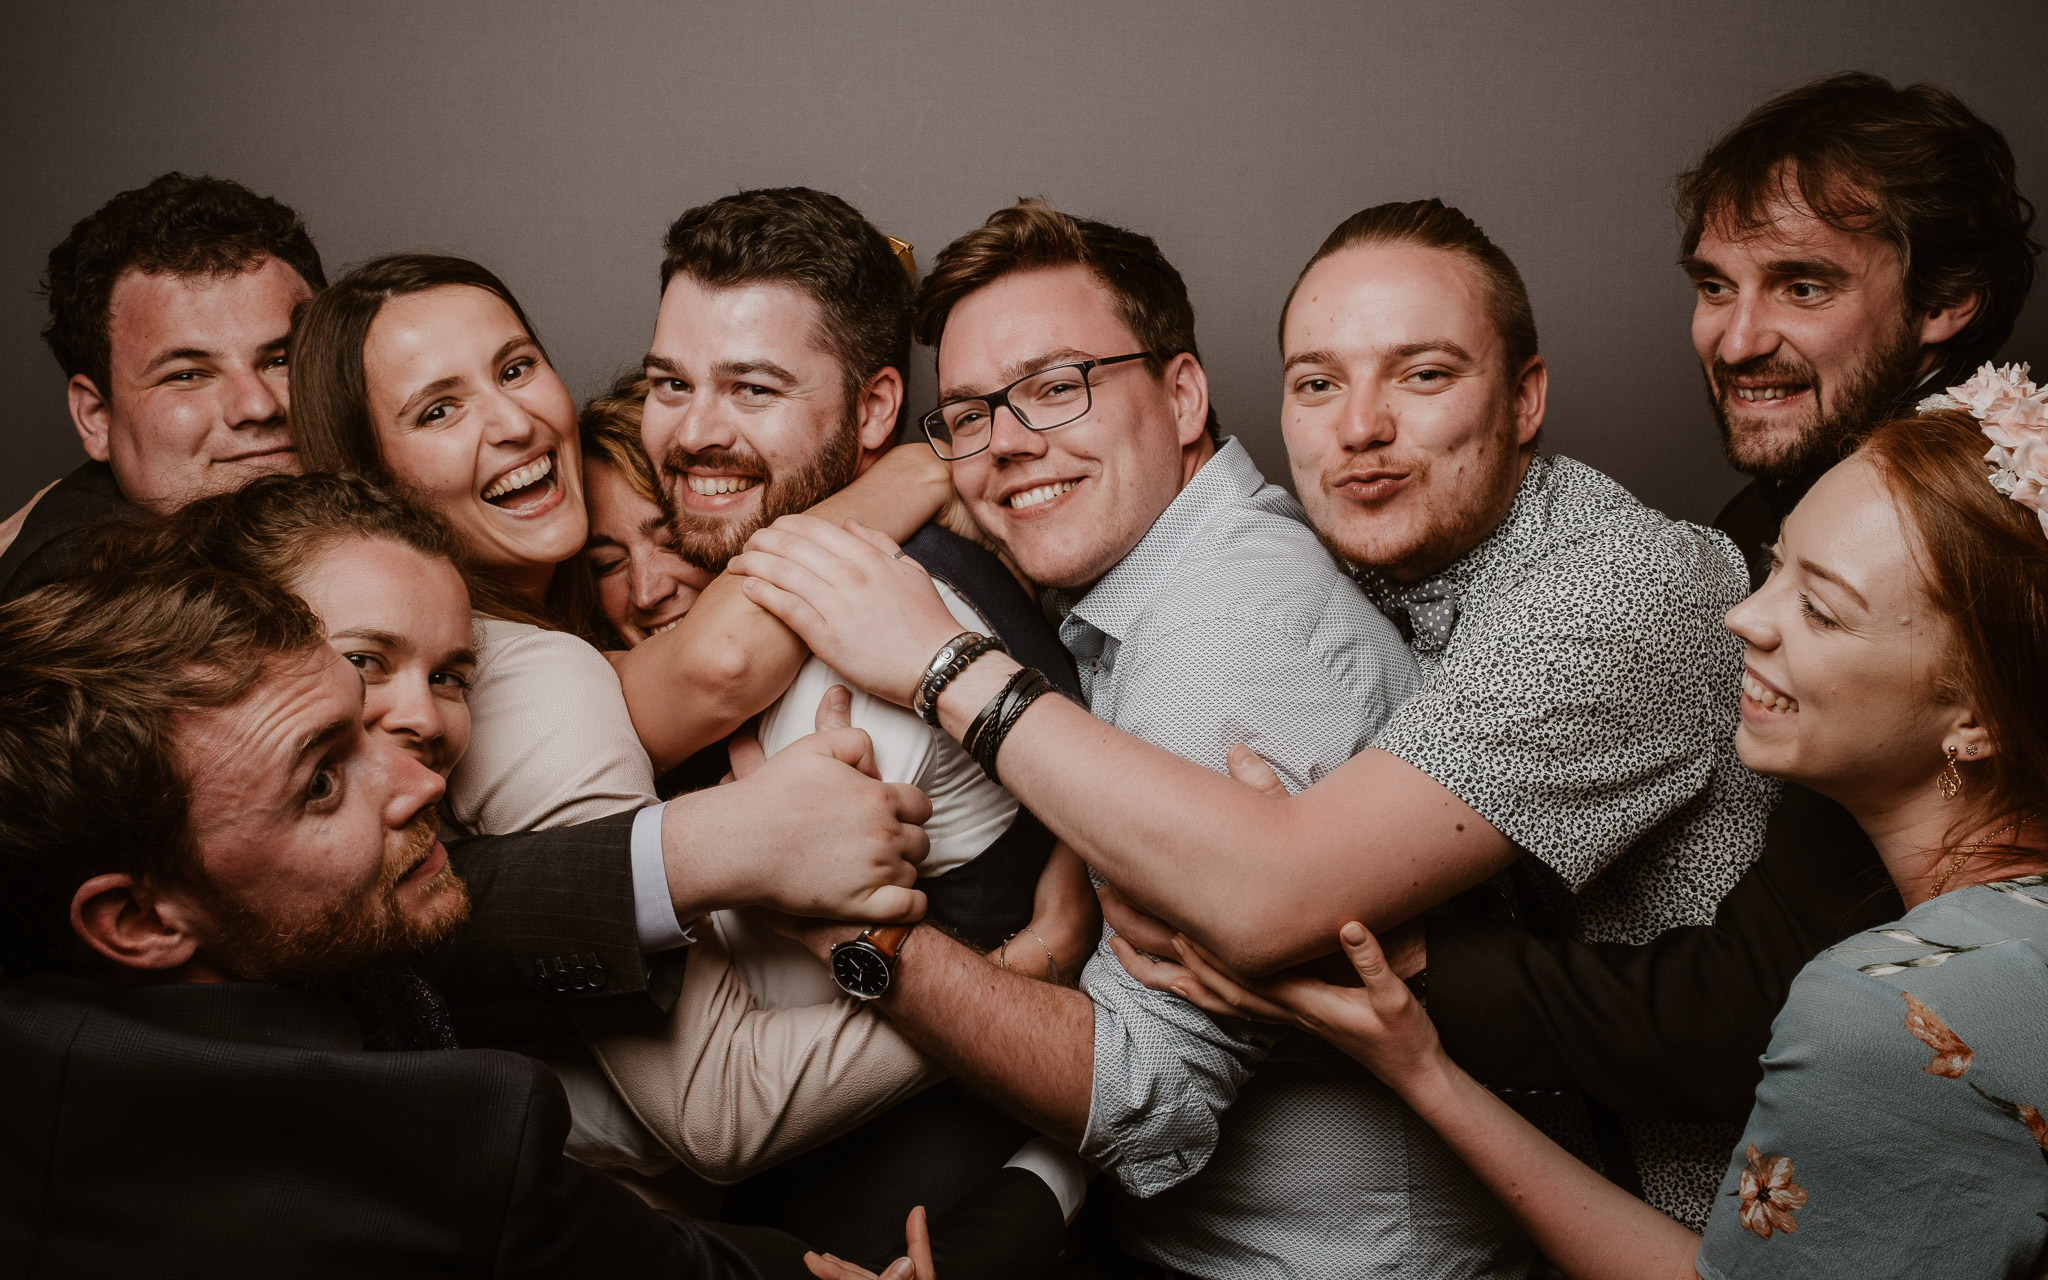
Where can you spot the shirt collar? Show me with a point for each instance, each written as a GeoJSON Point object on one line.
{"type": "Point", "coordinates": [1520, 527]}
{"type": "Point", "coordinates": [1114, 602]}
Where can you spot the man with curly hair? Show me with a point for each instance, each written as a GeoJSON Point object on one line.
{"type": "Point", "coordinates": [169, 309]}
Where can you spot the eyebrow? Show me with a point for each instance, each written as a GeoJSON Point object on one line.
{"type": "Point", "coordinates": [438, 385]}
{"type": "Point", "coordinates": [741, 368]}
{"type": "Point", "coordinates": [1829, 575]}
{"type": "Point", "coordinates": [1017, 369]}
{"type": "Point", "coordinates": [1815, 268]}
{"type": "Point", "coordinates": [388, 639]}
{"type": "Point", "coordinates": [319, 739]}
{"type": "Point", "coordinates": [181, 353]}
{"type": "Point", "coordinates": [1404, 351]}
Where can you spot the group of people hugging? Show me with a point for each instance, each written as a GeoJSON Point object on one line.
{"type": "Point", "coordinates": [753, 826]}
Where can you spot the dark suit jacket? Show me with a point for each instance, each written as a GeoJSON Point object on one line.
{"type": "Point", "coordinates": [1671, 1029]}
{"type": "Point", "coordinates": [240, 1129]}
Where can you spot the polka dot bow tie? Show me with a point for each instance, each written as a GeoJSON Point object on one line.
{"type": "Point", "coordinates": [1426, 612]}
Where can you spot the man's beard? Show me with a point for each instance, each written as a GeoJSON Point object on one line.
{"type": "Point", "coordinates": [1870, 395]}
{"type": "Point", "coordinates": [371, 928]}
{"type": "Point", "coordinates": [708, 542]}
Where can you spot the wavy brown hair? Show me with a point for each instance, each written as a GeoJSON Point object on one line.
{"type": "Point", "coordinates": [93, 674]}
{"type": "Point", "coordinates": [1985, 562]}
{"type": "Point", "coordinates": [334, 430]}
{"type": "Point", "coordinates": [1913, 166]}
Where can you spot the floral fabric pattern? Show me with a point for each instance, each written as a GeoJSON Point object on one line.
{"type": "Point", "coordinates": [1769, 1195]}
{"type": "Point", "coordinates": [1907, 1164]}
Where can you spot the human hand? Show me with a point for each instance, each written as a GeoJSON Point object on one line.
{"type": "Point", "coordinates": [1378, 1022]}
{"type": "Point", "coordinates": [809, 831]}
{"type": "Point", "coordinates": [916, 1266]}
{"type": "Point", "coordinates": [852, 596]}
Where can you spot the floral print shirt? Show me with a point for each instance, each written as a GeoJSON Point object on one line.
{"type": "Point", "coordinates": [1898, 1130]}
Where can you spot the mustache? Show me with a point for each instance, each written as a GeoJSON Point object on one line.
{"type": "Point", "coordinates": [420, 834]}
{"type": "Point", "coordinates": [1774, 365]}
{"type": "Point", "coordinates": [678, 460]}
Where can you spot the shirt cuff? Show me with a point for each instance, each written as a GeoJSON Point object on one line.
{"type": "Point", "coordinates": [654, 911]}
{"type": "Point", "coordinates": [1058, 1168]}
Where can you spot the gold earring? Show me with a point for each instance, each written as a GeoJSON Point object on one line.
{"type": "Point", "coordinates": [1950, 779]}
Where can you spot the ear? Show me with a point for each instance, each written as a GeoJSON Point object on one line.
{"type": "Point", "coordinates": [1532, 393]}
{"type": "Point", "coordinates": [1189, 386]}
{"type": "Point", "coordinates": [1972, 744]}
{"type": "Point", "coordinates": [134, 926]}
{"type": "Point", "coordinates": [1939, 326]}
{"type": "Point", "coordinates": [91, 414]}
{"type": "Point", "coordinates": [879, 403]}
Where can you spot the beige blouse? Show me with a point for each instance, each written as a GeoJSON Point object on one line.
{"type": "Point", "coordinates": [727, 1086]}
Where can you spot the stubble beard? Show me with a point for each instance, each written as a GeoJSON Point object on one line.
{"type": "Point", "coordinates": [1452, 524]}
{"type": "Point", "coordinates": [371, 928]}
{"type": "Point", "coordinates": [709, 542]}
{"type": "Point", "coordinates": [1873, 393]}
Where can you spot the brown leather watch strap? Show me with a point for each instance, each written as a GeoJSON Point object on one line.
{"type": "Point", "coordinates": [888, 939]}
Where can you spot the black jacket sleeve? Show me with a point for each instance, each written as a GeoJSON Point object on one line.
{"type": "Point", "coordinates": [551, 918]}
{"type": "Point", "coordinates": [1671, 1029]}
{"type": "Point", "coordinates": [564, 1220]}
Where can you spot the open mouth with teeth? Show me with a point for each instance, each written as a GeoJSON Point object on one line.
{"type": "Point", "coordinates": [664, 628]}
{"type": "Point", "coordinates": [1766, 697]}
{"type": "Point", "coordinates": [717, 486]}
{"type": "Point", "coordinates": [1770, 394]}
{"type": "Point", "coordinates": [1039, 495]}
{"type": "Point", "coordinates": [524, 487]}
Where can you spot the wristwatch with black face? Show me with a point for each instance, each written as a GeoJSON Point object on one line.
{"type": "Point", "coordinates": [864, 966]}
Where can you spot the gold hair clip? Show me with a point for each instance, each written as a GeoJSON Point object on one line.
{"type": "Point", "coordinates": [906, 253]}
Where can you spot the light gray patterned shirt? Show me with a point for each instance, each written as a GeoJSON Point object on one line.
{"type": "Point", "coordinates": [1580, 693]}
{"type": "Point", "coordinates": [1229, 623]}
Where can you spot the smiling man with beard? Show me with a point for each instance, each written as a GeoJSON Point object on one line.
{"type": "Point", "coordinates": [776, 377]}
{"type": "Point", "coordinates": [1854, 246]}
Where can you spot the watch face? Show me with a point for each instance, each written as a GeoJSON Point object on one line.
{"type": "Point", "coordinates": [860, 970]}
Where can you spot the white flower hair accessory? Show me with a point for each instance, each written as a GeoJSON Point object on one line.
{"type": "Point", "coordinates": [2015, 416]}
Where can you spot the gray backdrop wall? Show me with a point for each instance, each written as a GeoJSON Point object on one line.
{"type": "Point", "coordinates": [555, 141]}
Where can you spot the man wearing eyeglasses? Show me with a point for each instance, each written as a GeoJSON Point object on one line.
{"type": "Point", "coordinates": [1202, 611]}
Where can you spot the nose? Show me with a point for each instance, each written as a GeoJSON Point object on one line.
{"type": "Point", "coordinates": [651, 583]}
{"type": "Point", "coordinates": [411, 786]}
{"type": "Point", "coordinates": [407, 709]}
{"type": "Point", "coordinates": [254, 399]}
{"type": "Point", "coordinates": [506, 421]}
{"type": "Point", "coordinates": [1368, 419]}
{"type": "Point", "coordinates": [1749, 330]}
{"type": "Point", "coordinates": [1753, 619]}
{"type": "Point", "coordinates": [1010, 438]}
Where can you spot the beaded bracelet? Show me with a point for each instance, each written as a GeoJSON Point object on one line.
{"type": "Point", "coordinates": [963, 649]}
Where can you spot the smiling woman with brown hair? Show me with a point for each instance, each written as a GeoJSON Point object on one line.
{"type": "Point", "coordinates": [1893, 665]}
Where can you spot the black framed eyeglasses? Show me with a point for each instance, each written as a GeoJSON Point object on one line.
{"type": "Point", "coordinates": [1041, 401]}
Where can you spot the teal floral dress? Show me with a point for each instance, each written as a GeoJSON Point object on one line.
{"type": "Point", "coordinates": [1898, 1130]}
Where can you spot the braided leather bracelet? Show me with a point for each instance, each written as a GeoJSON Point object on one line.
{"type": "Point", "coordinates": [946, 665]}
{"type": "Point", "coordinates": [985, 736]}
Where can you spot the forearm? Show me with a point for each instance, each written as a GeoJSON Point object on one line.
{"type": "Point", "coordinates": [728, 658]}
{"type": "Point", "coordinates": [1262, 881]}
{"type": "Point", "coordinates": [725, 660]}
{"type": "Point", "coordinates": [1026, 1045]}
{"type": "Point", "coordinates": [1592, 1229]}
{"type": "Point", "coordinates": [898, 495]}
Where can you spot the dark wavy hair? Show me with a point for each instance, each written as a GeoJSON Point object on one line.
{"type": "Point", "coordinates": [1913, 166]}
{"type": "Point", "coordinates": [334, 431]}
{"type": "Point", "coordinates": [93, 674]}
{"type": "Point", "coordinates": [1985, 560]}
{"type": "Point", "coordinates": [814, 242]}
{"type": "Point", "coordinates": [177, 225]}
{"type": "Point", "coordinates": [1031, 235]}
